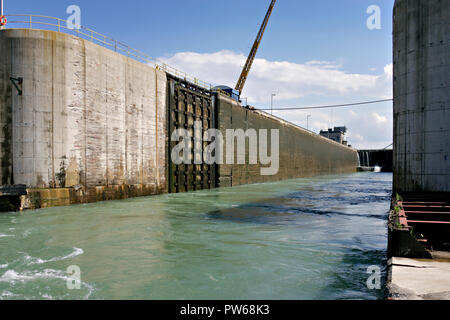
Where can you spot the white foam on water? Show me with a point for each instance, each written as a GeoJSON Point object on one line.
{"type": "Point", "coordinates": [26, 233]}
{"type": "Point", "coordinates": [47, 296]}
{"type": "Point", "coordinates": [3, 266]}
{"type": "Point", "coordinates": [12, 277]}
{"type": "Point", "coordinates": [5, 235]}
{"type": "Point", "coordinates": [76, 252]}
{"type": "Point", "coordinates": [6, 294]}
{"type": "Point", "coordinates": [211, 277]}
{"type": "Point", "coordinates": [31, 260]}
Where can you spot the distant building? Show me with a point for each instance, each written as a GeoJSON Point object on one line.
{"type": "Point", "coordinates": [337, 134]}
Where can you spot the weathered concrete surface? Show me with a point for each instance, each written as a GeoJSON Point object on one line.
{"type": "Point", "coordinates": [421, 96]}
{"type": "Point", "coordinates": [302, 153]}
{"type": "Point", "coordinates": [91, 125]}
{"type": "Point", "coordinates": [5, 117]}
{"type": "Point", "coordinates": [88, 117]}
{"type": "Point", "coordinates": [419, 279]}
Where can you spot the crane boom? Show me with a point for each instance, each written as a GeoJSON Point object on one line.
{"type": "Point", "coordinates": [252, 55]}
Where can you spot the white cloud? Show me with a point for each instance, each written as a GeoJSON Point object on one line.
{"type": "Point", "coordinates": [365, 129]}
{"type": "Point", "coordinates": [379, 119]}
{"type": "Point", "coordinates": [319, 81]}
{"type": "Point", "coordinates": [389, 71]}
{"type": "Point", "coordinates": [290, 80]}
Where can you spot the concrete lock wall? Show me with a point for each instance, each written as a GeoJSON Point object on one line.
{"type": "Point", "coordinates": [421, 96]}
{"type": "Point", "coordinates": [89, 118]}
{"type": "Point", "coordinates": [302, 153]}
{"type": "Point", "coordinates": [91, 125]}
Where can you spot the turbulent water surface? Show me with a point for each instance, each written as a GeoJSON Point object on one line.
{"type": "Point", "coordinates": [300, 239]}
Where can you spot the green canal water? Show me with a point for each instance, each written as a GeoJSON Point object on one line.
{"type": "Point", "coordinates": [308, 238]}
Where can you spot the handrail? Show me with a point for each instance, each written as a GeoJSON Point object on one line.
{"type": "Point", "coordinates": [28, 20]}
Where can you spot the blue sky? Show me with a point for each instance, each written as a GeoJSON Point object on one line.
{"type": "Point", "coordinates": [327, 37]}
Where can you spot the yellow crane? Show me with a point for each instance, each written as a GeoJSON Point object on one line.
{"type": "Point", "coordinates": [251, 57]}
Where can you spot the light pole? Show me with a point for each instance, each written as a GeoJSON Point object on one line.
{"type": "Point", "coordinates": [307, 121]}
{"type": "Point", "coordinates": [271, 102]}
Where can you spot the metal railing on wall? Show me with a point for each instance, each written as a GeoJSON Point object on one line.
{"type": "Point", "coordinates": [30, 21]}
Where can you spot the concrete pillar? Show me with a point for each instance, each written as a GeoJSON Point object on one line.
{"type": "Point", "coordinates": [421, 96]}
